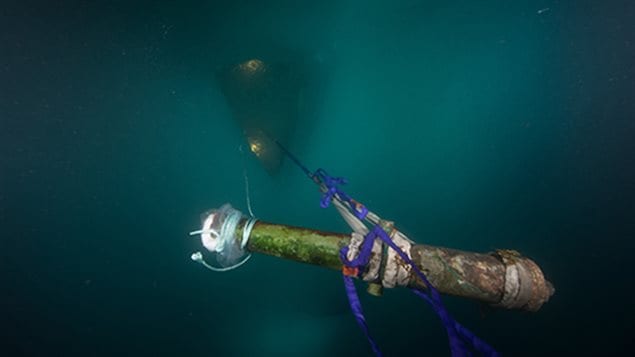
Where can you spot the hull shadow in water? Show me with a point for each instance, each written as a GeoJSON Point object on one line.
{"type": "Point", "coordinates": [269, 97]}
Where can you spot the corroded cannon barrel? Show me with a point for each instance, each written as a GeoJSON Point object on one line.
{"type": "Point", "coordinates": [503, 278]}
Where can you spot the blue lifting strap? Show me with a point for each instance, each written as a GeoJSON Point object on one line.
{"type": "Point", "coordinates": [460, 338]}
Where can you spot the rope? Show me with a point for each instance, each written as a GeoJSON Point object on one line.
{"type": "Point", "coordinates": [219, 236]}
{"type": "Point", "coordinates": [242, 159]}
{"type": "Point", "coordinates": [294, 159]}
{"type": "Point", "coordinates": [198, 257]}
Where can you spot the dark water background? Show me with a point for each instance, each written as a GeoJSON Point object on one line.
{"type": "Point", "coordinates": [474, 124]}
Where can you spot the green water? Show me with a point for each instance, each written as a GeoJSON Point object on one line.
{"type": "Point", "coordinates": [474, 125]}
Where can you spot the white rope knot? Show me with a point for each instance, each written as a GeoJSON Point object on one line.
{"type": "Point", "coordinates": [219, 236]}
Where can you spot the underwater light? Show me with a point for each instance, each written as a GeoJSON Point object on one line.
{"type": "Point", "coordinates": [252, 67]}
{"type": "Point", "coordinates": [255, 146]}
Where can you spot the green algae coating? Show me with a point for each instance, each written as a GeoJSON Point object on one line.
{"type": "Point", "coordinates": [296, 243]}
{"type": "Point", "coordinates": [471, 275]}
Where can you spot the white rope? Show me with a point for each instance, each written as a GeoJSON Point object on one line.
{"type": "Point", "coordinates": [251, 213]}
{"type": "Point", "coordinates": [198, 257]}
{"type": "Point", "coordinates": [242, 159]}
{"type": "Point", "coordinates": [218, 235]}
{"type": "Point", "coordinates": [247, 231]}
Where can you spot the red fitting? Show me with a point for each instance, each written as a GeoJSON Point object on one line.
{"type": "Point", "coordinates": [350, 271]}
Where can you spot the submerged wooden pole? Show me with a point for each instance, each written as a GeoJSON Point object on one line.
{"type": "Point", "coordinates": [502, 278]}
